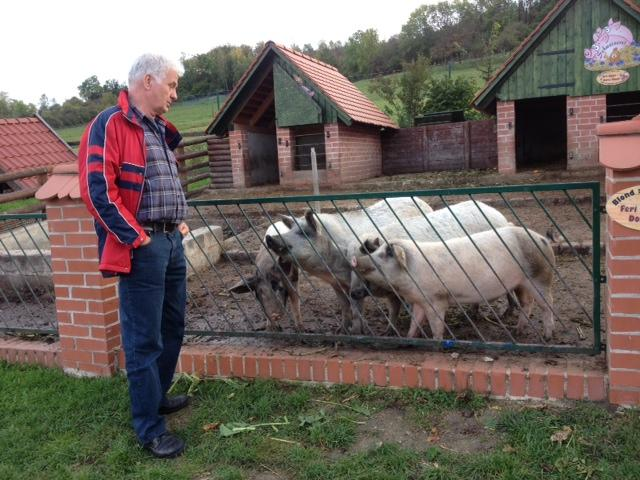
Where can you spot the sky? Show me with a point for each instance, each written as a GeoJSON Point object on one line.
{"type": "Point", "coordinates": [51, 47]}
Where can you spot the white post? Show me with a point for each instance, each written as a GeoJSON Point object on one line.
{"type": "Point", "coordinates": [314, 178]}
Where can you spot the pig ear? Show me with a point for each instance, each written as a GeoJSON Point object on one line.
{"type": "Point", "coordinates": [246, 286]}
{"type": "Point", "coordinates": [400, 254]}
{"type": "Point", "coordinates": [287, 220]}
{"type": "Point", "coordinates": [370, 246]}
{"type": "Point", "coordinates": [311, 220]}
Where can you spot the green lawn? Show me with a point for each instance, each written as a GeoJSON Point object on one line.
{"type": "Point", "coordinates": [57, 427]}
{"type": "Point", "coordinates": [196, 115]}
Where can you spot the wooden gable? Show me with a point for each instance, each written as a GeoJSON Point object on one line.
{"type": "Point", "coordinates": [551, 61]}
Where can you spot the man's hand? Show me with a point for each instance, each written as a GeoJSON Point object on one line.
{"type": "Point", "coordinates": [183, 228]}
{"type": "Point", "coordinates": [146, 241]}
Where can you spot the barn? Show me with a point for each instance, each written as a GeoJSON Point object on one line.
{"type": "Point", "coordinates": [573, 72]}
{"type": "Point", "coordinates": [287, 103]}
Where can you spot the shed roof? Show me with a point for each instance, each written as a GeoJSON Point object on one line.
{"type": "Point", "coordinates": [351, 103]}
{"type": "Point", "coordinates": [486, 97]}
{"type": "Point", "coordinates": [30, 142]}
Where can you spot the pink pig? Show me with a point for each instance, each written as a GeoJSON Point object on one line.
{"type": "Point", "coordinates": [614, 36]}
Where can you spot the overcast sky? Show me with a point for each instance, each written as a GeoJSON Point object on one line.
{"type": "Point", "coordinates": [51, 46]}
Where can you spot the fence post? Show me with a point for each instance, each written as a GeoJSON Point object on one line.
{"type": "Point", "coordinates": [86, 303]}
{"type": "Point", "coordinates": [619, 145]}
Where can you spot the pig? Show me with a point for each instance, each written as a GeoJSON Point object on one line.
{"type": "Point", "coordinates": [607, 41]}
{"type": "Point", "coordinates": [445, 222]}
{"type": "Point", "coordinates": [274, 282]}
{"type": "Point", "coordinates": [319, 242]}
{"type": "Point", "coordinates": [403, 264]}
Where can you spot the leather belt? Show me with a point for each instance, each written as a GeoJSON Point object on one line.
{"type": "Point", "coordinates": [159, 227]}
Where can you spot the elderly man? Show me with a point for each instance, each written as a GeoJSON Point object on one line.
{"type": "Point", "coordinates": [129, 182]}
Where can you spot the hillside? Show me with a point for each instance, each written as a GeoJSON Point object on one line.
{"type": "Point", "coordinates": [195, 115]}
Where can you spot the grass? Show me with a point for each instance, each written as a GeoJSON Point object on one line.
{"type": "Point", "coordinates": [196, 115]}
{"type": "Point", "coordinates": [58, 427]}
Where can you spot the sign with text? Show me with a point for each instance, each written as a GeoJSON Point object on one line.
{"type": "Point", "coordinates": [624, 207]}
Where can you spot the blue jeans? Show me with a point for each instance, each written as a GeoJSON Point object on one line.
{"type": "Point", "coordinates": [152, 306]}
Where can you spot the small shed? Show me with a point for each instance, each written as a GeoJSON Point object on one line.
{"type": "Point", "coordinates": [287, 103]}
{"type": "Point", "coordinates": [575, 70]}
{"type": "Point", "coordinates": [27, 143]}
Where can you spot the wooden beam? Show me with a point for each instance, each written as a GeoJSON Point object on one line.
{"type": "Point", "coordinates": [261, 109]}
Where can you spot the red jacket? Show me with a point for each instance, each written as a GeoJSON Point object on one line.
{"type": "Point", "coordinates": [111, 166]}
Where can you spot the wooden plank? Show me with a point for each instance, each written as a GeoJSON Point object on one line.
{"type": "Point", "coordinates": [19, 195]}
{"type": "Point", "coordinates": [261, 109]}
{"type": "Point", "coordinates": [31, 172]}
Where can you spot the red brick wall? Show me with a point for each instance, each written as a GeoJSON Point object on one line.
{"type": "Point", "coordinates": [623, 302]}
{"type": "Point", "coordinates": [506, 127]}
{"type": "Point", "coordinates": [239, 145]}
{"type": "Point", "coordinates": [582, 140]}
{"type": "Point", "coordinates": [86, 303]}
{"type": "Point", "coordinates": [360, 152]}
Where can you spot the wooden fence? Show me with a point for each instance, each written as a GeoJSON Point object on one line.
{"type": "Point", "coordinates": [448, 146]}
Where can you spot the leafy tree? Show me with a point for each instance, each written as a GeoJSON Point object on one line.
{"type": "Point", "coordinates": [405, 94]}
{"type": "Point", "coordinates": [360, 51]}
{"type": "Point", "coordinates": [445, 94]}
{"type": "Point", "coordinates": [112, 86]}
{"type": "Point", "coordinates": [90, 89]}
{"type": "Point", "coordinates": [10, 108]}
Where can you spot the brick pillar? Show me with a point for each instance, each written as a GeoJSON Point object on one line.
{"type": "Point", "coordinates": [506, 123]}
{"type": "Point", "coordinates": [332, 149]}
{"type": "Point", "coordinates": [239, 148]}
{"type": "Point", "coordinates": [86, 303]}
{"type": "Point", "coordinates": [584, 114]}
{"type": "Point", "coordinates": [619, 152]}
{"type": "Point", "coordinates": [285, 142]}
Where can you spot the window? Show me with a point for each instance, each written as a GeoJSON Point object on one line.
{"type": "Point", "coordinates": [305, 140]}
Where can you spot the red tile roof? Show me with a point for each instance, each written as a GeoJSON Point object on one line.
{"type": "Point", "coordinates": [62, 183]}
{"type": "Point", "coordinates": [28, 143]}
{"type": "Point", "coordinates": [344, 94]}
{"type": "Point", "coordinates": [339, 89]}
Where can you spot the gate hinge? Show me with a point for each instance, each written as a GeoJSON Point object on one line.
{"type": "Point", "coordinates": [603, 209]}
{"type": "Point", "coordinates": [603, 279]}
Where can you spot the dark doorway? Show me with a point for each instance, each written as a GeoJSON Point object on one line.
{"type": "Point", "coordinates": [263, 159]}
{"type": "Point", "coordinates": [541, 133]}
{"type": "Point", "coordinates": [622, 106]}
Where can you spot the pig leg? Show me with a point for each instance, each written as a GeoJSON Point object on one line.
{"type": "Point", "coordinates": [394, 312]}
{"type": "Point", "coordinates": [345, 305]}
{"type": "Point", "coordinates": [435, 315]}
{"type": "Point", "coordinates": [292, 290]}
{"type": "Point", "coordinates": [526, 303]}
{"type": "Point", "coordinates": [544, 298]}
{"type": "Point", "coordinates": [417, 320]}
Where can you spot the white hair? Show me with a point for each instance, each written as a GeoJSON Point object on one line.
{"type": "Point", "coordinates": [155, 65]}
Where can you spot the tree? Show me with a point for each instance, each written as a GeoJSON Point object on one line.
{"type": "Point", "coordinates": [43, 103]}
{"type": "Point", "coordinates": [10, 108]}
{"type": "Point", "coordinates": [360, 51]}
{"type": "Point", "coordinates": [112, 86]}
{"type": "Point", "coordinates": [90, 89]}
{"type": "Point", "coordinates": [445, 94]}
{"type": "Point", "coordinates": [404, 94]}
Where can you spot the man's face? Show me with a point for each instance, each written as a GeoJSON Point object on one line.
{"type": "Point", "coordinates": [162, 93]}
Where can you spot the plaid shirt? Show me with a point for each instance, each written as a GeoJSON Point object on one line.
{"type": "Point", "coordinates": [163, 199]}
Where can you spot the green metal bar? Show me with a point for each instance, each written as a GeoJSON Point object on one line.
{"type": "Point", "coordinates": [595, 239]}
{"type": "Point", "coordinates": [446, 345]}
{"type": "Point", "coordinates": [22, 216]}
{"type": "Point", "coordinates": [415, 193]}
{"type": "Point", "coordinates": [29, 331]}
{"type": "Point", "coordinates": [578, 209]}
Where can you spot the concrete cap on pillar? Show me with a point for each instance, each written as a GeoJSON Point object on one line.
{"type": "Point", "coordinates": [620, 144]}
{"type": "Point", "coordinates": [63, 183]}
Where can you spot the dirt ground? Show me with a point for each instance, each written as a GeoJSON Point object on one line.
{"type": "Point", "coordinates": [212, 307]}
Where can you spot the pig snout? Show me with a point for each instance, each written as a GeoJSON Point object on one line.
{"type": "Point", "coordinates": [276, 244]}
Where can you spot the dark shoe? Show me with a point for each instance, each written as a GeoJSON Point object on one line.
{"type": "Point", "coordinates": [166, 445]}
{"type": "Point", "coordinates": [173, 404]}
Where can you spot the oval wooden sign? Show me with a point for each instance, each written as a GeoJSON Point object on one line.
{"type": "Point", "coordinates": [612, 77]}
{"type": "Point", "coordinates": [624, 207]}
